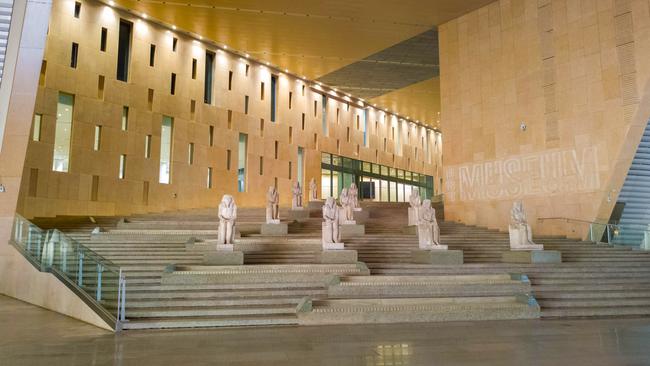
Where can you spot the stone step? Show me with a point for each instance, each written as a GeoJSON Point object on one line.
{"type": "Point", "coordinates": [616, 311]}
{"type": "Point", "coordinates": [211, 322]}
{"type": "Point", "coordinates": [211, 311]}
{"type": "Point", "coordinates": [588, 303]}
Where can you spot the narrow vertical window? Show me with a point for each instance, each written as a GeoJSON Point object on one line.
{"type": "Point", "coordinates": [74, 53]}
{"type": "Point", "coordinates": [262, 90]}
{"type": "Point", "coordinates": [63, 132]}
{"type": "Point", "coordinates": [290, 135]}
{"type": "Point", "coordinates": [241, 162]}
{"type": "Point", "coordinates": [194, 69]}
{"type": "Point", "coordinates": [174, 44]}
{"type": "Point", "coordinates": [246, 104]}
{"type": "Point", "coordinates": [247, 67]}
{"type": "Point", "coordinates": [147, 147]}
{"type": "Point", "coordinates": [122, 173]}
{"type": "Point", "coordinates": [337, 116]}
{"type": "Point", "coordinates": [229, 119]}
{"type": "Point", "coordinates": [209, 183]}
{"type": "Point", "coordinates": [166, 146]}
{"type": "Point", "coordinates": [209, 75]}
{"type": "Point", "coordinates": [366, 113]}
{"type": "Point", "coordinates": [303, 90]}
{"type": "Point", "coordinates": [150, 99]}
{"type": "Point", "coordinates": [36, 127]}
{"type": "Point", "coordinates": [77, 9]}
{"type": "Point", "coordinates": [261, 165]}
{"type": "Point", "coordinates": [290, 168]}
{"type": "Point", "coordinates": [190, 153]}
{"type": "Point", "coordinates": [103, 39]}
{"type": "Point", "coordinates": [324, 115]}
{"type": "Point", "coordinates": [303, 121]}
{"type": "Point", "coordinates": [101, 80]}
{"type": "Point", "coordinates": [33, 182]}
{"type": "Point", "coordinates": [290, 99]}
{"type": "Point", "coordinates": [228, 156]}
{"type": "Point", "coordinates": [94, 190]}
{"type": "Point", "coordinates": [274, 96]}
{"type": "Point", "coordinates": [124, 50]}
{"type": "Point", "coordinates": [125, 118]}
{"type": "Point", "coordinates": [301, 167]}
{"type": "Point", "coordinates": [229, 80]}
{"type": "Point", "coordinates": [172, 86]}
{"type": "Point", "coordinates": [261, 127]}
{"type": "Point", "coordinates": [316, 107]}
{"type": "Point", "coordinates": [145, 193]}
{"type": "Point", "coordinates": [152, 55]}
{"type": "Point", "coordinates": [277, 144]}
{"type": "Point", "coordinates": [98, 138]}
{"type": "Point", "coordinates": [211, 136]}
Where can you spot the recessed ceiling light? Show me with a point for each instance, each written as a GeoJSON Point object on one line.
{"type": "Point", "coordinates": [247, 55]}
{"type": "Point", "coordinates": [267, 63]}
{"type": "Point", "coordinates": [225, 47]}
{"type": "Point", "coordinates": [173, 27]}
{"type": "Point", "coordinates": [111, 3]}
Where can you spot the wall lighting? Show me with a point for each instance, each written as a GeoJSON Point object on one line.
{"type": "Point", "coordinates": [2, 188]}
{"type": "Point", "coordinates": [144, 16]}
{"type": "Point", "coordinates": [173, 27]}
{"type": "Point", "coordinates": [247, 55]}
{"type": "Point", "coordinates": [111, 3]}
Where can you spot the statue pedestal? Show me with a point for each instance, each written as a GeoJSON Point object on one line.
{"type": "Point", "coordinates": [315, 205]}
{"type": "Point", "coordinates": [337, 257]}
{"type": "Point", "coordinates": [531, 256]}
{"type": "Point", "coordinates": [412, 219]}
{"type": "Point", "coordinates": [351, 230]}
{"type": "Point", "coordinates": [410, 230]}
{"type": "Point", "coordinates": [223, 258]}
{"type": "Point", "coordinates": [278, 229]}
{"type": "Point", "coordinates": [362, 216]}
{"type": "Point", "coordinates": [299, 214]}
{"type": "Point", "coordinates": [437, 256]}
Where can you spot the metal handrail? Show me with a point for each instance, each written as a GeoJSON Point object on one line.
{"type": "Point", "coordinates": [610, 228]}
{"type": "Point", "coordinates": [40, 248]}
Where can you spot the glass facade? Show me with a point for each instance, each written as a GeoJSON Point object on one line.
{"type": "Point", "coordinates": [376, 182]}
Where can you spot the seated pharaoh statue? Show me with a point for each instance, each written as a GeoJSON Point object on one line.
{"type": "Point", "coordinates": [428, 229]}
{"type": "Point", "coordinates": [521, 236]}
{"type": "Point", "coordinates": [347, 216]}
{"type": "Point", "coordinates": [227, 218]}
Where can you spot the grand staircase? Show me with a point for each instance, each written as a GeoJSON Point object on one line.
{"type": "Point", "coordinates": [593, 280]}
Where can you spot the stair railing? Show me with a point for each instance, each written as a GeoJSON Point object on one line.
{"type": "Point", "coordinates": [100, 283]}
{"type": "Point", "coordinates": [596, 229]}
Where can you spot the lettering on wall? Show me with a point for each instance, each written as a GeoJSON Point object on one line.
{"type": "Point", "coordinates": [550, 172]}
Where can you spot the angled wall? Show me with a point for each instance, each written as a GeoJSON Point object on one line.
{"type": "Point", "coordinates": [92, 186]}
{"type": "Point", "coordinates": [543, 101]}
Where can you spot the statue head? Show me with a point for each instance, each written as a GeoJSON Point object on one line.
{"type": "Point", "coordinates": [415, 191]}
{"type": "Point", "coordinates": [518, 205]}
{"type": "Point", "coordinates": [296, 184]}
{"type": "Point", "coordinates": [271, 189]}
{"type": "Point", "coordinates": [330, 202]}
{"type": "Point", "coordinates": [426, 204]}
{"type": "Point", "coordinates": [312, 181]}
{"type": "Point", "coordinates": [344, 192]}
{"type": "Point", "coordinates": [353, 186]}
{"type": "Point", "coordinates": [227, 200]}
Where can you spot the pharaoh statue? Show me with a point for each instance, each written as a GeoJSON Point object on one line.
{"type": "Point", "coordinates": [296, 201]}
{"type": "Point", "coordinates": [353, 194]}
{"type": "Point", "coordinates": [347, 216]}
{"type": "Point", "coordinates": [272, 206]}
{"type": "Point", "coordinates": [313, 190]}
{"type": "Point", "coordinates": [416, 203]}
{"type": "Point", "coordinates": [331, 232]}
{"type": "Point", "coordinates": [227, 218]}
{"type": "Point", "coordinates": [428, 229]}
{"type": "Point", "coordinates": [521, 236]}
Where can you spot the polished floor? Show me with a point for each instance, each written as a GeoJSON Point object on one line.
{"type": "Point", "coordinates": [32, 336]}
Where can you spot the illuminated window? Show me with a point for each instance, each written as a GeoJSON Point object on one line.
{"type": "Point", "coordinates": [63, 132]}
{"type": "Point", "coordinates": [122, 172]}
{"type": "Point", "coordinates": [166, 146]}
{"type": "Point", "coordinates": [241, 162]}
{"type": "Point", "coordinates": [36, 127]}
{"type": "Point", "coordinates": [124, 50]}
{"type": "Point", "coordinates": [98, 138]}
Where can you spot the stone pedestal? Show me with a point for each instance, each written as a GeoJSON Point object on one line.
{"type": "Point", "coordinates": [337, 257]}
{"type": "Point", "coordinates": [439, 257]}
{"type": "Point", "coordinates": [274, 229]}
{"type": "Point", "coordinates": [531, 256]}
{"type": "Point", "coordinates": [361, 217]}
{"type": "Point", "coordinates": [315, 205]}
{"type": "Point", "coordinates": [352, 230]}
{"type": "Point", "coordinates": [333, 246]}
{"type": "Point", "coordinates": [410, 230]}
{"type": "Point", "coordinates": [223, 258]}
{"type": "Point", "coordinates": [300, 215]}
{"type": "Point", "coordinates": [412, 217]}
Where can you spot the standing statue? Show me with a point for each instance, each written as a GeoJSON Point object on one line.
{"type": "Point", "coordinates": [272, 206]}
{"type": "Point", "coordinates": [428, 229]}
{"type": "Point", "coordinates": [227, 218]}
{"type": "Point", "coordinates": [521, 236]}
{"type": "Point", "coordinates": [346, 207]}
{"type": "Point", "coordinates": [416, 203]}
{"type": "Point", "coordinates": [353, 194]}
{"type": "Point", "coordinates": [296, 191]}
{"type": "Point", "coordinates": [313, 190]}
{"type": "Point", "coordinates": [331, 232]}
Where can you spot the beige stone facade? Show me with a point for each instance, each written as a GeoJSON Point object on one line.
{"type": "Point", "coordinates": [543, 101]}
{"type": "Point", "coordinates": [45, 192]}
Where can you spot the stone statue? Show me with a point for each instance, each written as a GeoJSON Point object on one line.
{"type": "Point", "coordinates": [296, 191]}
{"type": "Point", "coordinates": [353, 194]}
{"type": "Point", "coordinates": [313, 190]}
{"type": "Point", "coordinates": [346, 207]}
{"type": "Point", "coordinates": [227, 218]}
{"type": "Point", "coordinates": [272, 206]}
{"type": "Point", "coordinates": [416, 203]}
{"type": "Point", "coordinates": [521, 236]}
{"type": "Point", "coordinates": [428, 229]}
{"type": "Point", "coordinates": [331, 232]}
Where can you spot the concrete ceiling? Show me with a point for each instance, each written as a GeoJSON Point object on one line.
{"type": "Point", "coordinates": [310, 37]}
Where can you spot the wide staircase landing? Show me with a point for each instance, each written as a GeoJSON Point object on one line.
{"type": "Point", "coordinates": [594, 280]}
